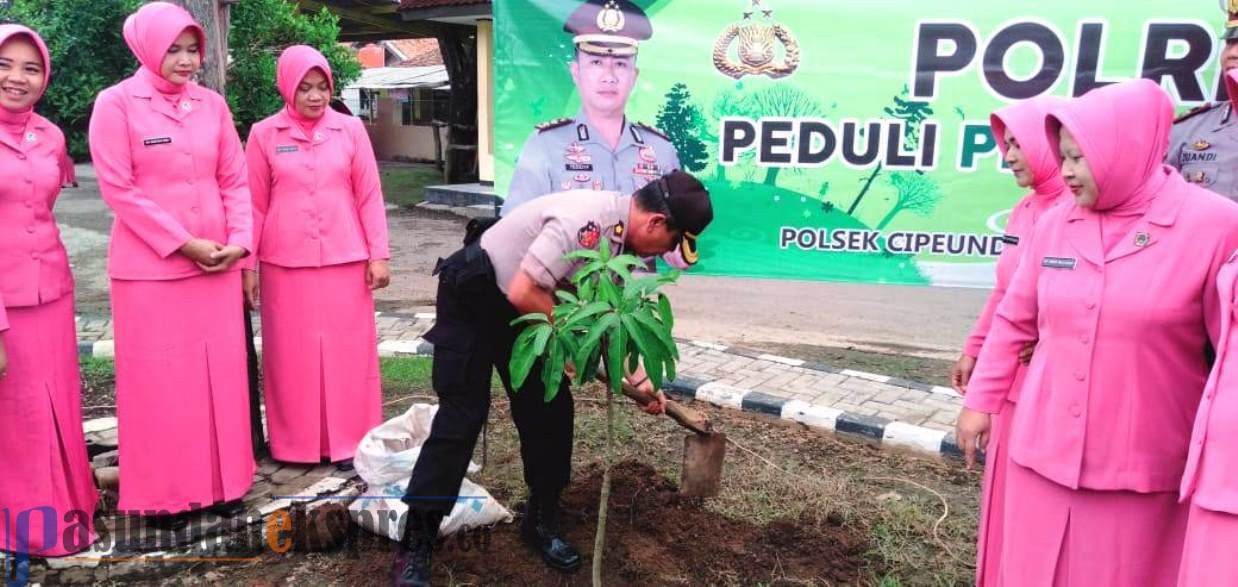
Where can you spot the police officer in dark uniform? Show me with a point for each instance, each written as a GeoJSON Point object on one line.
{"type": "Point", "coordinates": [514, 269]}
{"type": "Point", "coordinates": [599, 148]}
{"type": "Point", "coordinates": [1204, 142]}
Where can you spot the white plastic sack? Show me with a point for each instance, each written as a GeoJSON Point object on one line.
{"type": "Point", "coordinates": [385, 460]}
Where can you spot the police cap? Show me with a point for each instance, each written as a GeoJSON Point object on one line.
{"type": "Point", "coordinates": [608, 27]}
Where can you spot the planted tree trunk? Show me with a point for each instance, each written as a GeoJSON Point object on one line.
{"type": "Point", "coordinates": [599, 541]}
{"type": "Point", "coordinates": [213, 16]}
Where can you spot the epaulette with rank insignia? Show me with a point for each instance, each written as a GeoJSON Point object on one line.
{"type": "Point", "coordinates": [551, 124]}
{"type": "Point", "coordinates": [653, 130]}
{"type": "Point", "coordinates": [1197, 111]}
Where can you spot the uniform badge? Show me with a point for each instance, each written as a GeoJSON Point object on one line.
{"type": "Point", "coordinates": [648, 154]}
{"type": "Point", "coordinates": [1058, 263]}
{"type": "Point", "coordinates": [30, 137]}
{"type": "Point", "coordinates": [285, 149]}
{"type": "Point", "coordinates": [589, 235]}
{"type": "Point", "coordinates": [186, 106]}
{"type": "Point", "coordinates": [565, 185]}
{"type": "Point", "coordinates": [317, 137]}
{"type": "Point", "coordinates": [1196, 177]}
{"type": "Point", "coordinates": [1202, 145]}
{"type": "Point", "coordinates": [598, 185]}
{"type": "Point", "coordinates": [647, 169]}
{"type": "Point", "coordinates": [618, 230]}
{"type": "Point", "coordinates": [582, 177]}
{"type": "Point", "coordinates": [610, 18]}
{"type": "Point", "coordinates": [1142, 239]}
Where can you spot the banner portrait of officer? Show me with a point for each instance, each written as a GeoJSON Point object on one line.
{"type": "Point", "coordinates": [599, 148]}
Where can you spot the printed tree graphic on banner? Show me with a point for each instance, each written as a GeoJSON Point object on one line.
{"type": "Point", "coordinates": [785, 101]}
{"type": "Point", "coordinates": [682, 121]}
{"type": "Point", "coordinates": [731, 102]}
{"type": "Point", "coordinates": [917, 193]}
{"type": "Point", "coordinates": [912, 113]}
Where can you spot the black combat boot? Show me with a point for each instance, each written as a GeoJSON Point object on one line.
{"type": "Point", "coordinates": [413, 553]}
{"type": "Point", "coordinates": [540, 529]}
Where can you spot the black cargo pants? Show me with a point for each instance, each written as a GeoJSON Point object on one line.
{"type": "Point", "coordinates": [471, 336]}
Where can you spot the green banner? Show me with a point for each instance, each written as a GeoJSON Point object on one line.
{"type": "Point", "coordinates": [850, 141]}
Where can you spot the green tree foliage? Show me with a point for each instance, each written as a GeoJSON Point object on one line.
{"type": "Point", "coordinates": [683, 122]}
{"type": "Point", "coordinates": [911, 112]}
{"type": "Point", "coordinates": [916, 193]}
{"type": "Point", "coordinates": [785, 101]}
{"type": "Point", "coordinates": [88, 55]}
{"type": "Point", "coordinates": [260, 30]}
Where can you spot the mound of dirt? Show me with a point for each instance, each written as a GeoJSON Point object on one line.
{"type": "Point", "coordinates": [655, 536]}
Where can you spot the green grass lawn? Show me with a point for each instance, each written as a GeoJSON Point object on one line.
{"type": "Point", "coordinates": [405, 184]}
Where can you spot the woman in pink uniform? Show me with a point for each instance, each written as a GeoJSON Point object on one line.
{"type": "Point", "coordinates": [171, 167]}
{"type": "Point", "coordinates": [43, 463]}
{"type": "Point", "coordinates": [321, 233]}
{"type": "Point", "coordinates": [1020, 133]}
{"type": "Point", "coordinates": [1211, 479]}
{"type": "Point", "coordinates": [1119, 288]}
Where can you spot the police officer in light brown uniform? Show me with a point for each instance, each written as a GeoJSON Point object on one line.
{"type": "Point", "coordinates": [1204, 142]}
{"type": "Point", "coordinates": [511, 270]}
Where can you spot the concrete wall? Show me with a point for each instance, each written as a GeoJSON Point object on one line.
{"type": "Point", "coordinates": [393, 141]}
{"type": "Point", "coordinates": [485, 100]}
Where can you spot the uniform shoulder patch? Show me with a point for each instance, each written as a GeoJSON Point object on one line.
{"type": "Point", "coordinates": [653, 130]}
{"type": "Point", "coordinates": [1196, 111]}
{"type": "Point", "coordinates": [552, 124]}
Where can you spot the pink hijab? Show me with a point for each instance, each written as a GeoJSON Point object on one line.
{"type": "Point", "coordinates": [1026, 121]}
{"type": "Point", "coordinates": [14, 123]}
{"type": "Point", "coordinates": [1123, 131]}
{"type": "Point", "coordinates": [294, 64]}
{"type": "Point", "coordinates": [151, 30]}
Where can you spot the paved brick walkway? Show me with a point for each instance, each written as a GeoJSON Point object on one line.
{"type": "Point", "coordinates": [891, 410]}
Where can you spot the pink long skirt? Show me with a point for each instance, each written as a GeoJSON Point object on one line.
{"type": "Point", "coordinates": [47, 488]}
{"type": "Point", "coordinates": [1059, 536]}
{"type": "Point", "coordinates": [993, 499]}
{"type": "Point", "coordinates": [319, 360]}
{"type": "Point", "coordinates": [182, 393]}
{"type": "Point", "coordinates": [1209, 556]}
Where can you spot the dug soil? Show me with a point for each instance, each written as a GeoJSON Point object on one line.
{"type": "Point", "coordinates": [655, 536]}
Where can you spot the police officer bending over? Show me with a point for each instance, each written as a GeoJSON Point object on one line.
{"type": "Point", "coordinates": [511, 270]}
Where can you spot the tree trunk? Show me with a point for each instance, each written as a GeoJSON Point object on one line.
{"type": "Point", "coordinates": [889, 216]}
{"type": "Point", "coordinates": [599, 541]}
{"type": "Point", "coordinates": [459, 48]}
{"type": "Point", "coordinates": [213, 16]}
{"type": "Point", "coordinates": [719, 173]}
{"type": "Point", "coordinates": [771, 176]}
{"type": "Point", "coordinates": [863, 191]}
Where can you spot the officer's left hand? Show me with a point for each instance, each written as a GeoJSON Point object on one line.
{"type": "Point", "coordinates": [658, 405]}
{"type": "Point", "coordinates": [378, 275]}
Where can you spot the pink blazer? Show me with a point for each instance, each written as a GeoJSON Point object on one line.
{"type": "Point", "coordinates": [1111, 391]}
{"type": "Point", "coordinates": [34, 267]}
{"type": "Point", "coordinates": [1019, 231]}
{"type": "Point", "coordinates": [170, 172]}
{"type": "Point", "coordinates": [317, 200]}
{"type": "Point", "coordinates": [1211, 477]}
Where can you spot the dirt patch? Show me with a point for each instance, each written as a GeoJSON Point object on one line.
{"type": "Point", "coordinates": [655, 536]}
